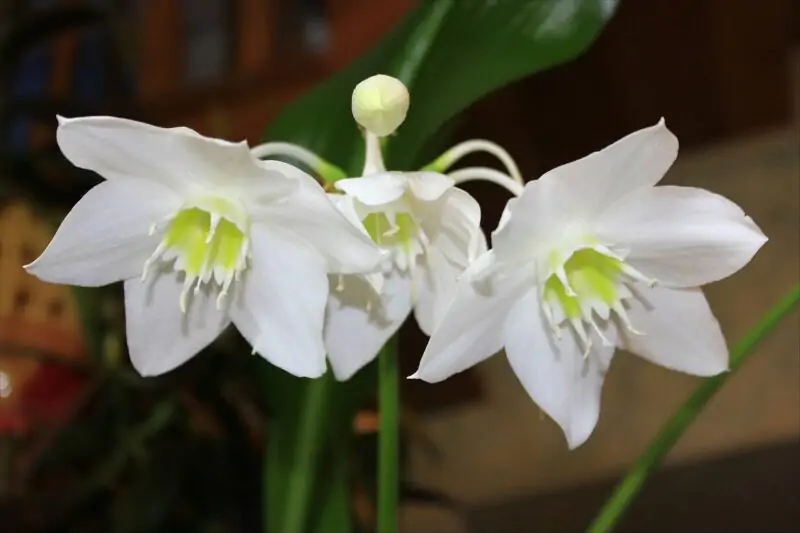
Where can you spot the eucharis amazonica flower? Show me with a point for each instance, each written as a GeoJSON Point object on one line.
{"type": "Point", "coordinates": [203, 234]}
{"type": "Point", "coordinates": [593, 256]}
{"type": "Point", "coordinates": [429, 228]}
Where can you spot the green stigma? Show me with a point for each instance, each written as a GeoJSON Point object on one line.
{"type": "Point", "coordinates": [590, 275]}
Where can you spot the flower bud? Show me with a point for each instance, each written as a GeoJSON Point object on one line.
{"type": "Point", "coordinates": [380, 104]}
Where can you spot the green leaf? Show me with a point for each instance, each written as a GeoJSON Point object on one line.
{"type": "Point", "coordinates": [450, 53]}
{"type": "Point", "coordinates": [479, 46]}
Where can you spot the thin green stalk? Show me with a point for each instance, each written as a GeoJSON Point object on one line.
{"type": "Point", "coordinates": [627, 490]}
{"type": "Point", "coordinates": [388, 438]}
{"type": "Point", "coordinates": [303, 470]}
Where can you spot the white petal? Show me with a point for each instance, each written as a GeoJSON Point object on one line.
{"type": "Point", "coordinates": [472, 328]}
{"type": "Point", "coordinates": [453, 226]}
{"type": "Point", "coordinates": [680, 331]}
{"type": "Point", "coordinates": [104, 238]}
{"type": "Point", "coordinates": [554, 372]}
{"type": "Point", "coordinates": [434, 285]}
{"type": "Point", "coordinates": [682, 236]}
{"type": "Point", "coordinates": [281, 307]}
{"type": "Point", "coordinates": [177, 157]}
{"type": "Point", "coordinates": [310, 215]}
{"type": "Point", "coordinates": [376, 189]}
{"type": "Point", "coordinates": [354, 334]}
{"type": "Point", "coordinates": [428, 186]}
{"type": "Point", "coordinates": [346, 206]}
{"type": "Point", "coordinates": [571, 196]}
{"type": "Point", "coordinates": [160, 337]}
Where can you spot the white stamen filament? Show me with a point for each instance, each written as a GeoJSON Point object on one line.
{"type": "Point", "coordinates": [215, 220]}
{"type": "Point", "coordinates": [636, 275]}
{"type": "Point", "coordinates": [561, 274]}
{"type": "Point", "coordinates": [487, 174]}
{"type": "Point", "coordinates": [619, 309]}
{"type": "Point", "coordinates": [596, 328]}
{"type": "Point", "coordinates": [579, 328]}
{"type": "Point", "coordinates": [153, 258]}
{"type": "Point", "coordinates": [481, 145]}
{"type": "Point", "coordinates": [187, 286]}
{"type": "Point", "coordinates": [551, 320]}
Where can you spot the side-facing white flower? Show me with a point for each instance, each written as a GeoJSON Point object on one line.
{"type": "Point", "coordinates": [591, 257]}
{"type": "Point", "coordinates": [431, 230]}
{"type": "Point", "coordinates": [202, 233]}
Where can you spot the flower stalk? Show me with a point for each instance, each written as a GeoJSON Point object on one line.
{"type": "Point", "coordinates": [388, 438]}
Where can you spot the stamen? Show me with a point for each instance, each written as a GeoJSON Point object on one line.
{"type": "Point", "coordinates": [488, 174]}
{"type": "Point", "coordinates": [562, 277]}
{"type": "Point", "coordinates": [623, 316]}
{"type": "Point", "coordinates": [599, 248]}
{"type": "Point", "coordinates": [152, 259]}
{"type": "Point", "coordinates": [340, 283]}
{"type": "Point", "coordinates": [548, 314]}
{"type": "Point", "coordinates": [224, 292]}
{"type": "Point", "coordinates": [215, 219]}
{"type": "Point", "coordinates": [636, 275]}
{"type": "Point", "coordinates": [577, 324]}
{"type": "Point", "coordinates": [596, 328]}
{"type": "Point", "coordinates": [187, 286]}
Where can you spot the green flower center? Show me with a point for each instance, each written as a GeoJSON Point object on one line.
{"type": "Point", "coordinates": [208, 243]}
{"type": "Point", "coordinates": [592, 281]}
{"type": "Point", "coordinates": [204, 249]}
{"type": "Point", "coordinates": [591, 276]}
{"type": "Point", "coordinates": [382, 232]}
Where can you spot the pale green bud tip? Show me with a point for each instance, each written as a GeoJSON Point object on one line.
{"type": "Point", "coordinates": [380, 104]}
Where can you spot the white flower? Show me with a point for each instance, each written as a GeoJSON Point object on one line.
{"type": "Point", "coordinates": [203, 234]}
{"type": "Point", "coordinates": [591, 257]}
{"type": "Point", "coordinates": [431, 230]}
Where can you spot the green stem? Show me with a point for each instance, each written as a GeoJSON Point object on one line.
{"type": "Point", "coordinates": [626, 491]}
{"type": "Point", "coordinates": [303, 471]}
{"type": "Point", "coordinates": [388, 438]}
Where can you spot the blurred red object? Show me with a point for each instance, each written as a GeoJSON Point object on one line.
{"type": "Point", "coordinates": [36, 391]}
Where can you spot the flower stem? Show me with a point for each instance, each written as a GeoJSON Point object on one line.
{"type": "Point", "coordinates": [388, 438]}
{"type": "Point", "coordinates": [626, 491]}
{"type": "Point", "coordinates": [303, 471]}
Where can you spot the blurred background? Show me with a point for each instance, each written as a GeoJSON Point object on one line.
{"type": "Point", "coordinates": [86, 445]}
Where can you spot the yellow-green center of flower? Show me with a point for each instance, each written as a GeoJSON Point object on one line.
{"type": "Point", "coordinates": [383, 233]}
{"type": "Point", "coordinates": [591, 276]}
{"type": "Point", "coordinates": [208, 243]}
{"type": "Point", "coordinates": [587, 287]}
{"type": "Point", "coordinates": [202, 248]}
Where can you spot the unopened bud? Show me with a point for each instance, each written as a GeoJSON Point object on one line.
{"type": "Point", "coordinates": [380, 104]}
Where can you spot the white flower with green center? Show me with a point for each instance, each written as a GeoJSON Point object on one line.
{"type": "Point", "coordinates": [431, 231]}
{"type": "Point", "coordinates": [592, 256]}
{"type": "Point", "coordinates": [203, 234]}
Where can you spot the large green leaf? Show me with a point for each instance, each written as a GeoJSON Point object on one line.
{"type": "Point", "coordinates": [450, 53]}
{"type": "Point", "coordinates": [471, 48]}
